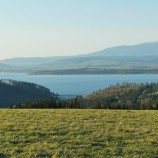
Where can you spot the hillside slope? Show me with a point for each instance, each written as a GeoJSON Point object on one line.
{"type": "Point", "coordinates": [13, 92]}
{"type": "Point", "coordinates": [125, 96]}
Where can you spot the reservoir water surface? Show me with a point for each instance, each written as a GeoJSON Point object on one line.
{"type": "Point", "coordinates": [79, 84]}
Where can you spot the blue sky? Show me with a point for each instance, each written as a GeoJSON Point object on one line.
{"type": "Point", "coordinates": [70, 27]}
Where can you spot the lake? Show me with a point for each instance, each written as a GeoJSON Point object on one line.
{"type": "Point", "coordinates": [78, 84]}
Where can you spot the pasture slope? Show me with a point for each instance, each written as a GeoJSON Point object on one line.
{"type": "Point", "coordinates": [78, 133]}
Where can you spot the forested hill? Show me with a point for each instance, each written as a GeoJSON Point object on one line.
{"type": "Point", "coordinates": [13, 92]}
{"type": "Point", "coordinates": [125, 96]}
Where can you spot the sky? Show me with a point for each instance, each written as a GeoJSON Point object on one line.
{"type": "Point", "coordinates": [31, 28]}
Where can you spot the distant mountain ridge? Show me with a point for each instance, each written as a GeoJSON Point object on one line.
{"type": "Point", "coordinates": [144, 49]}
{"type": "Point", "coordinates": [140, 56]}
{"type": "Point", "coordinates": [3, 65]}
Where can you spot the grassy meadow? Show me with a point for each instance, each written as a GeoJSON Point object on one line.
{"type": "Point", "coordinates": [78, 133]}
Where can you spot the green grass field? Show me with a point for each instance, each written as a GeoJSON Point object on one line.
{"type": "Point", "coordinates": [78, 133]}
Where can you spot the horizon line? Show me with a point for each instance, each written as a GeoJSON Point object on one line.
{"type": "Point", "coordinates": [75, 55]}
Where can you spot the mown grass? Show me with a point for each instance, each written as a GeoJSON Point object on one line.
{"type": "Point", "coordinates": [78, 133]}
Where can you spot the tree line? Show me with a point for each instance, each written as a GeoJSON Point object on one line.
{"type": "Point", "coordinates": [120, 96]}
{"type": "Point", "coordinates": [75, 103]}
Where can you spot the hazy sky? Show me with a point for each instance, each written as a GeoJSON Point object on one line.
{"type": "Point", "coordinates": [70, 27]}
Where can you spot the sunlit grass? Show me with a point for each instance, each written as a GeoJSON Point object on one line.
{"type": "Point", "coordinates": [78, 133]}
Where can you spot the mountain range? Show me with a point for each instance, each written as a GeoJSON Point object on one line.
{"type": "Point", "coordinates": [141, 57]}
{"type": "Point", "coordinates": [144, 49]}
